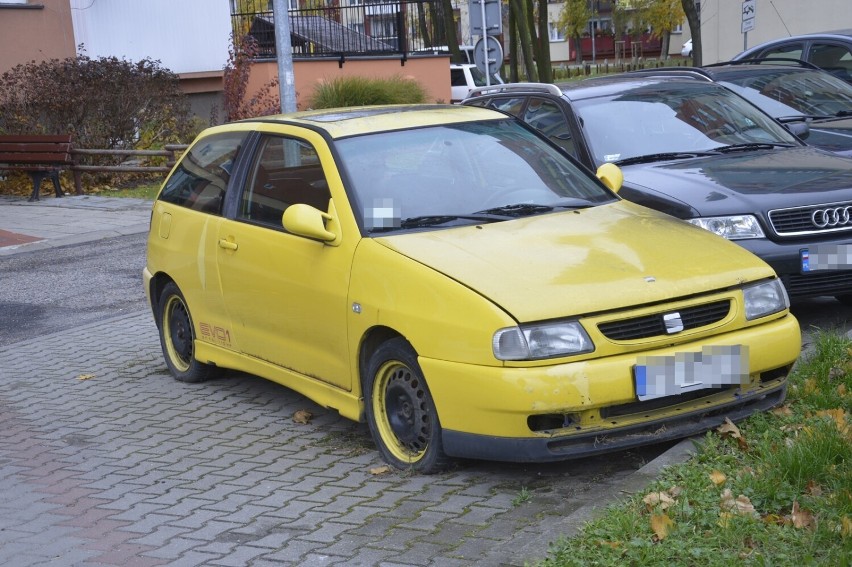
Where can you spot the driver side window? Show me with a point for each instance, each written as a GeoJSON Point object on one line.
{"type": "Point", "coordinates": [285, 172]}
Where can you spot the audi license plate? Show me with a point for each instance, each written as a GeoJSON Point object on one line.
{"type": "Point", "coordinates": [826, 257]}
{"type": "Point", "coordinates": [659, 376]}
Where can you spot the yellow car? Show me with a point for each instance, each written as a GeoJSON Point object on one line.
{"type": "Point", "coordinates": [451, 277]}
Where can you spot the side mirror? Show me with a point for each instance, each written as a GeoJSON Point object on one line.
{"type": "Point", "coordinates": [611, 176]}
{"type": "Point", "coordinates": [799, 129]}
{"type": "Point", "coordinates": [305, 220]}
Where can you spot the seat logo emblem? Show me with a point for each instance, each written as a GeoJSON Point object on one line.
{"type": "Point", "coordinates": [674, 324]}
{"type": "Point", "coordinates": [837, 216]}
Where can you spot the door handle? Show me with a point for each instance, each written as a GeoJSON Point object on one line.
{"type": "Point", "coordinates": [227, 244]}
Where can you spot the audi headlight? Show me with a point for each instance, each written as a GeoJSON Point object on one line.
{"type": "Point", "coordinates": [735, 227]}
{"type": "Point", "coordinates": [765, 299]}
{"type": "Point", "coordinates": [543, 340]}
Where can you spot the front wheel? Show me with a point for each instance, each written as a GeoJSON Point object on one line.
{"type": "Point", "coordinates": [401, 414]}
{"type": "Point", "coordinates": [177, 337]}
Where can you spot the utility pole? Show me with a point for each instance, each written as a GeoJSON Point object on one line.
{"type": "Point", "coordinates": [284, 51]}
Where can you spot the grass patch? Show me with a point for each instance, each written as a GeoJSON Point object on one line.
{"type": "Point", "coordinates": [361, 91]}
{"type": "Point", "coordinates": [776, 490]}
{"type": "Point", "coordinates": [139, 191]}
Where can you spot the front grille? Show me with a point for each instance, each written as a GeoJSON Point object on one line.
{"type": "Point", "coordinates": [831, 217]}
{"type": "Point", "coordinates": [818, 283]}
{"type": "Point", "coordinates": [653, 325]}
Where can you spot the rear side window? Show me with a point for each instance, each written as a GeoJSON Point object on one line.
{"type": "Point", "coordinates": [201, 178]}
{"type": "Point", "coordinates": [546, 117]}
{"type": "Point", "coordinates": [788, 51]}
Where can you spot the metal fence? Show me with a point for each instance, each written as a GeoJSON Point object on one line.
{"type": "Point", "coordinates": [377, 29]}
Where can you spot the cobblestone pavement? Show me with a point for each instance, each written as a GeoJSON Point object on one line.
{"type": "Point", "coordinates": [105, 460]}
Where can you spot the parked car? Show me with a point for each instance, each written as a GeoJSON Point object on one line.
{"type": "Point", "coordinates": [686, 50]}
{"type": "Point", "coordinates": [831, 51]}
{"type": "Point", "coordinates": [464, 78]}
{"type": "Point", "coordinates": [696, 150]}
{"type": "Point", "coordinates": [447, 275]}
{"type": "Point", "coordinates": [816, 105]}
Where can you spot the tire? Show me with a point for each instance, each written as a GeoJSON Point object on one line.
{"type": "Point", "coordinates": [401, 414]}
{"type": "Point", "coordinates": [177, 337]}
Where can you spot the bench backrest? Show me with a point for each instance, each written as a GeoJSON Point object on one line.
{"type": "Point", "coordinates": [41, 150]}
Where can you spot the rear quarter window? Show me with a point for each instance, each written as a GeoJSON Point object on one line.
{"type": "Point", "coordinates": [201, 178]}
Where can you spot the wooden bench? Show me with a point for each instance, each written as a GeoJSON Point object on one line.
{"type": "Point", "coordinates": [40, 156]}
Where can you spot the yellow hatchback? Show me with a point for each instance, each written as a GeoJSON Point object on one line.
{"type": "Point", "coordinates": [451, 277]}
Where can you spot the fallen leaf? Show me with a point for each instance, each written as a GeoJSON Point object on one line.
{"type": "Point", "coordinates": [728, 429]}
{"type": "Point", "coordinates": [303, 417]}
{"type": "Point", "coordinates": [838, 415]}
{"type": "Point", "coordinates": [85, 376]}
{"type": "Point", "coordinates": [813, 489]}
{"type": "Point", "coordinates": [675, 491]}
{"type": "Point", "coordinates": [841, 390]}
{"type": "Point", "coordinates": [742, 444]}
{"type": "Point", "coordinates": [845, 526]}
{"type": "Point", "coordinates": [658, 499]}
{"type": "Point", "coordinates": [380, 470]}
{"type": "Point", "coordinates": [801, 518]}
{"type": "Point", "coordinates": [740, 505]}
{"type": "Point", "coordinates": [834, 373]}
{"type": "Point", "coordinates": [774, 519]}
{"type": "Point", "coordinates": [662, 525]}
{"type": "Point", "coordinates": [611, 544]}
{"type": "Point", "coordinates": [810, 386]}
{"type": "Point", "coordinates": [783, 411]}
{"type": "Point", "coordinates": [718, 477]}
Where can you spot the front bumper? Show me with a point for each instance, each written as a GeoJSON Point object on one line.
{"type": "Point", "coordinates": [496, 413]}
{"type": "Point", "coordinates": [785, 259]}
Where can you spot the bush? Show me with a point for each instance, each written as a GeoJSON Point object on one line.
{"type": "Point", "coordinates": [363, 91]}
{"type": "Point", "coordinates": [105, 103]}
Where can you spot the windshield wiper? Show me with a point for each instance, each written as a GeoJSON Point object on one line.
{"type": "Point", "coordinates": [516, 210]}
{"type": "Point", "coordinates": [751, 146]}
{"type": "Point", "coordinates": [434, 220]}
{"type": "Point", "coordinates": [648, 158]}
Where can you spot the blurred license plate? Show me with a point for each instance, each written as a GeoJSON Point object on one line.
{"type": "Point", "coordinates": [826, 257]}
{"type": "Point", "coordinates": [659, 376]}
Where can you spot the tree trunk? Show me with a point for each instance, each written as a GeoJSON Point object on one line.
{"type": "Point", "coordinates": [449, 25]}
{"type": "Point", "coordinates": [545, 70]}
{"type": "Point", "coordinates": [578, 48]}
{"type": "Point", "coordinates": [694, 19]}
{"type": "Point", "coordinates": [524, 39]}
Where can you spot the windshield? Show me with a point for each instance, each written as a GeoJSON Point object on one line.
{"type": "Point", "coordinates": [461, 174]}
{"type": "Point", "coordinates": [673, 117]}
{"type": "Point", "coordinates": [789, 94]}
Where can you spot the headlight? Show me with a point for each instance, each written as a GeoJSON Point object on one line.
{"type": "Point", "coordinates": [543, 340]}
{"type": "Point", "coordinates": [733, 228]}
{"type": "Point", "coordinates": [765, 299]}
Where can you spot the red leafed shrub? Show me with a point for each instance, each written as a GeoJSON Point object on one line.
{"type": "Point", "coordinates": [238, 105]}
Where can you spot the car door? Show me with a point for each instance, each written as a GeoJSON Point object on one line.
{"type": "Point", "coordinates": [286, 294]}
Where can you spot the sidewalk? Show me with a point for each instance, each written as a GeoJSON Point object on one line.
{"type": "Point", "coordinates": [105, 460]}
{"type": "Point", "coordinates": [53, 222]}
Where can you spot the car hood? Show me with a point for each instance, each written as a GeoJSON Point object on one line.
{"type": "Point", "coordinates": [737, 183]}
{"type": "Point", "coordinates": [832, 134]}
{"type": "Point", "coordinates": [580, 262]}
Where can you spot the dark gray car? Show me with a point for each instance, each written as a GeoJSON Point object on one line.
{"type": "Point", "coordinates": [700, 152]}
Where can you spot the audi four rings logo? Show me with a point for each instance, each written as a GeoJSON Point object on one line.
{"type": "Point", "coordinates": [837, 216]}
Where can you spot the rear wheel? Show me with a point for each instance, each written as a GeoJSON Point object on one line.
{"type": "Point", "coordinates": [401, 414]}
{"type": "Point", "coordinates": [177, 337]}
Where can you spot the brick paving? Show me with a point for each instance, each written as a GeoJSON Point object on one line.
{"type": "Point", "coordinates": [105, 460]}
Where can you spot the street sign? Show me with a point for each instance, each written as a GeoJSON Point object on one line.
{"type": "Point", "coordinates": [488, 56]}
{"type": "Point", "coordinates": [491, 14]}
{"type": "Point", "coordinates": [749, 9]}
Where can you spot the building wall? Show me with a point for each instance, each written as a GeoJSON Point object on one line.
{"type": "Point", "coordinates": [432, 72]}
{"type": "Point", "coordinates": [186, 36]}
{"type": "Point", "coordinates": [721, 22]}
{"type": "Point", "coordinates": [31, 30]}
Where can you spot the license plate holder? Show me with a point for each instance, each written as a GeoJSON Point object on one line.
{"type": "Point", "coordinates": [660, 376]}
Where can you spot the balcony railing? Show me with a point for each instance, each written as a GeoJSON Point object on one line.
{"type": "Point", "coordinates": [366, 29]}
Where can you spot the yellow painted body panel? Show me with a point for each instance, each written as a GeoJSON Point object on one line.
{"type": "Point", "coordinates": [497, 401]}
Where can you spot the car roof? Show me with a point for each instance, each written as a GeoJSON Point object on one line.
{"type": "Point", "coordinates": [344, 122]}
{"type": "Point", "coordinates": [841, 35]}
{"type": "Point", "coordinates": [588, 88]}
